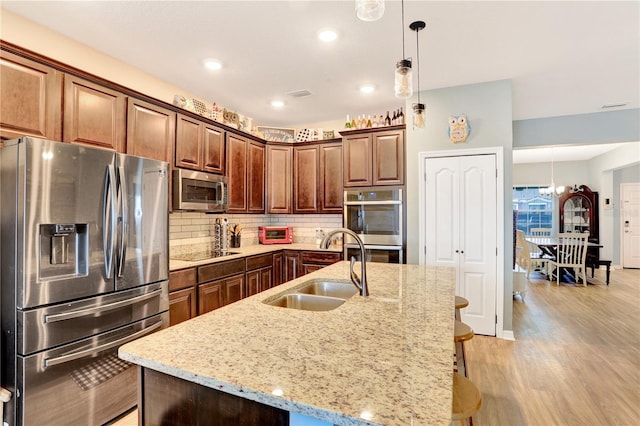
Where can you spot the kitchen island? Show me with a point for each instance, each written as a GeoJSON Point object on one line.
{"type": "Point", "coordinates": [385, 359]}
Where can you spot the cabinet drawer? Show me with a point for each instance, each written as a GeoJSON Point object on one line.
{"type": "Point", "coordinates": [182, 279]}
{"type": "Point", "coordinates": [320, 258]}
{"type": "Point", "coordinates": [220, 269]}
{"type": "Point", "coordinates": [259, 261]}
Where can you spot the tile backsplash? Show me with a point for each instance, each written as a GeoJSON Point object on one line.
{"type": "Point", "coordinates": [186, 225]}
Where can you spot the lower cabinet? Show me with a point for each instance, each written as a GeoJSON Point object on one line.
{"type": "Point", "coordinates": [216, 294]}
{"type": "Point", "coordinates": [278, 269]}
{"type": "Point", "coordinates": [182, 295]}
{"type": "Point", "coordinates": [313, 260]}
{"type": "Point", "coordinates": [291, 268]}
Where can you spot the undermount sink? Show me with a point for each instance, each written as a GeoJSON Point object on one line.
{"type": "Point", "coordinates": [307, 302]}
{"type": "Point", "coordinates": [343, 290]}
{"type": "Point", "coordinates": [315, 295]}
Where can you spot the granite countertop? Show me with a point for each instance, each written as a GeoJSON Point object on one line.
{"type": "Point", "coordinates": [243, 251]}
{"type": "Point", "coordinates": [386, 359]}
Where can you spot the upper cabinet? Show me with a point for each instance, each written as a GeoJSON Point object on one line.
{"type": "Point", "coordinates": [31, 103]}
{"type": "Point", "coordinates": [150, 130]}
{"type": "Point", "coordinates": [199, 145]}
{"type": "Point", "coordinates": [246, 174]}
{"type": "Point", "coordinates": [373, 157]}
{"type": "Point", "coordinates": [306, 178]}
{"type": "Point", "coordinates": [93, 114]}
{"type": "Point", "coordinates": [279, 173]}
{"type": "Point", "coordinates": [579, 211]}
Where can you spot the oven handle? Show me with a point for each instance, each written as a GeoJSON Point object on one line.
{"type": "Point", "coordinates": [50, 362]}
{"type": "Point", "coordinates": [97, 309]}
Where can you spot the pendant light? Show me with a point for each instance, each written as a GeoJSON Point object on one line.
{"type": "Point", "coordinates": [369, 10]}
{"type": "Point", "coordinates": [553, 190]}
{"type": "Point", "coordinates": [403, 85]}
{"type": "Point", "coordinates": [418, 109]}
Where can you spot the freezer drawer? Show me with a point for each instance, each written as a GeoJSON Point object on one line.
{"type": "Point", "coordinates": [82, 383]}
{"type": "Point", "coordinates": [55, 325]}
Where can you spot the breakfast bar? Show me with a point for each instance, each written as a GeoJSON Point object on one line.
{"type": "Point", "coordinates": [385, 359]}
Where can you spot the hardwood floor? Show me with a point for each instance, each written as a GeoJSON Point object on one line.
{"type": "Point", "coordinates": [575, 361]}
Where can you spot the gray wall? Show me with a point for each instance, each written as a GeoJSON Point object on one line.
{"type": "Point", "coordinates": [488, 110]}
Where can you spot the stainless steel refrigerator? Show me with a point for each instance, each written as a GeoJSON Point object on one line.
{"type": "Point", "coordinates": [84, 269]}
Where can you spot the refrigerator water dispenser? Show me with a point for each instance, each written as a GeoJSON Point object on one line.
{"type": "Point", "coordinates": [63, 250]}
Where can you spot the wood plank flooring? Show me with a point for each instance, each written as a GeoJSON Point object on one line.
{"type": "Point", "coordinates": [575, 361]}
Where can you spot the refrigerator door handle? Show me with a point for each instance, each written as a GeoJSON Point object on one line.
{"type": "Point", "coordinates": [124, 230]}
{"type": "Point", "coordinates": [50, 362]}
{"type": "Point", "coordinates": [92, 311]}
{"type": "Point", "coordinates": [109, 219]}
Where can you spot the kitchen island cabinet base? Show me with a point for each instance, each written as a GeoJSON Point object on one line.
{"type": "Point", "coordinates": [168, 400]}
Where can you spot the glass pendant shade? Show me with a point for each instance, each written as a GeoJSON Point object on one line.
{"type": "Point", "coordinates": [369, 10]}
{"type": "Point", "coordinates": [403, 86]}
{"type": "Point", "coordinates": [418, 115]}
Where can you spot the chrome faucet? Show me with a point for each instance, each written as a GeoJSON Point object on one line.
{"type": "Point", "coordinates": [359, 282]}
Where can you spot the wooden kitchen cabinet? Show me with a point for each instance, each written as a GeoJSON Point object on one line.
{"type": "Point", "coordinates": [305, 179]}
{"type": "Point", "coordinates": [374, 157]}
{"type": "Point", "coordinates": [218, 293]}
{"type": "Point", "coordinates": [330, 187]}
{"type": "Point", "coordinates": [259, 273]}
{"type": "Point", "coordinates": [182, 295]}
{"type": "Point", "coordinates": [245, 171]}
{"type": "Point", "coordinates": [30, 99]}
{"type": "Point", "coordinates": [277, 276]}
{"type": "Point", "coordinates": [199, 145]}
{"type": "Point", "coordinates": [279, 173]}
{"type": "Point", "coordinates": [94, 114]}
{"type": "Point", "coordinates": [150, 130]}
{"type": "Point", "coordinates": [291, 269]}
{"type": "Point", "coordinates": [313, 260]}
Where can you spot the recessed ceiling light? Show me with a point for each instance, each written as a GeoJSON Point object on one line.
{"type": "Point", "coordinates": [212, 64]}
{"type": "Point", "coordinates": [367, 88]}
{"type": "Point", "coordinates": [327, 35]}
{"type": "Point", "coordinates": [277, 104]}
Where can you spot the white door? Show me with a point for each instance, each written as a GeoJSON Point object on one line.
{"type": "Point", "coordinates": [460, 224]}
{"type": "Point", "coordinates": [630, 214]}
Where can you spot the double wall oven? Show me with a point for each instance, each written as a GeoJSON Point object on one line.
{"type": "Point", "coordinates": [376, 215]}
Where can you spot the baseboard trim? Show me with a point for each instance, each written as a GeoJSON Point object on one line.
{"type": "Point", "coordinates": [508, 335]}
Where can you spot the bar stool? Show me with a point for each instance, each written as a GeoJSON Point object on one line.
{"type": "Point", "coordinates": [467, 399]}
{"type": "Point", "coordinates": [461, 302]}
{"type": "Point", "coordinates": [462, 333]}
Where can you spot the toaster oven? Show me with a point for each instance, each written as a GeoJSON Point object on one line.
{"type": "Point", "coordinates": [275, 234]}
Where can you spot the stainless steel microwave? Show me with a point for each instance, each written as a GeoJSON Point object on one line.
{"type": "Point", "coordinates": [198, 191]}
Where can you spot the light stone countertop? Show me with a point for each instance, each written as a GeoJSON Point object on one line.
{"type": "Point", "coordinates": [244, 251]}
{"type": "Point", "coordinates": [386, 359]}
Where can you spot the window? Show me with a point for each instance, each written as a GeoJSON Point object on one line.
{"type": "Point", "coordinates": [533, 209]}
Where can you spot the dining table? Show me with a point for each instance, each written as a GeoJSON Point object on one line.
{"type": "Point", "coordinates": [549, 245]}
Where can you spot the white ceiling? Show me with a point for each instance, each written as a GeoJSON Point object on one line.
{"type": "Point", "coordinates": [562, 57]}
{"type": "Point", "coordinates": [562, 153]}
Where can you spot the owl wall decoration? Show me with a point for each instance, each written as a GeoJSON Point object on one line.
{"type": "Point", "coordinates": [459, 129]}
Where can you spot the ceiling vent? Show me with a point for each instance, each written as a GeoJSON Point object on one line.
{"type": "Point", "coordinates": [299, 93]}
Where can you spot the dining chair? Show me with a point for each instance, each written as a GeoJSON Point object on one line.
{"type": "Point", "coordinates": [540, 232]}
{"type": "Point", "coordinates": [528, 256]}
{"type": "Point", "coordinates": [571, 252]}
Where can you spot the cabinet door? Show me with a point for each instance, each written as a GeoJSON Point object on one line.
{"type": "Point", "coordinates": [233, 289]}
{"type": "Point", "coordinates": [93, 114]}
{"type": "Point", "coordinates": [213, 149]}
{"type": "Point", "coordinates": [279, 173]}
{"type": "Point", "coordinates": [357, 160]}
{"type": "Point", "coordinates": [30, 99]}
{"type": "Point", "coordinates": [210, 296]}
{"type": "Point", "coordinates": [278, 269]}
{"type": "Point", "coordinates": [237, 173]}
{"type": "Point", "coordinates": [388, 158]}
{"type": "Point", "coordinates": [150, 131]}
{"type": "Point", "coordinates": [330, 182]}
{"type": "Point", "coordinates": [182, 305]}
{"type": "Point", "coordinates": [305, 179]}
{"type": "Point", "coordinates": [291, 265]}
{"type": "Point", "coordinates": [253, 283]}
{"type": "Point", "coordinates": [265, 278]}
{"type": "Point", "coordinates": [188, 142]}
{"type": "Point", "coordinates": [255, 177]}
